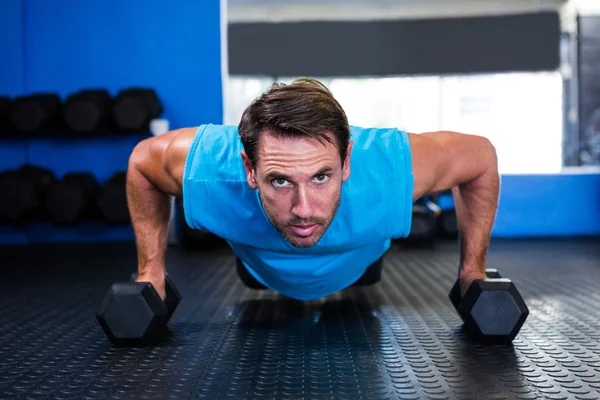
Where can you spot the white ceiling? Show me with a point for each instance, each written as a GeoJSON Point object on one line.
{"type": "Point", "coordinates": [374, 2]}
{"type": "Point", "coordinates": [304, 10]}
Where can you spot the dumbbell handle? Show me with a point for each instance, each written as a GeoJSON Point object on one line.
{"type": "Point", "coordinates": [492, 273]}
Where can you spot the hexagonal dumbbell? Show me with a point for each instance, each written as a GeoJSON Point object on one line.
{"type": "Point", "coordinates": [23, 192]}
{"type": "Point", "coordinates": [89, 111]}
{"type": "Point", "coordinates": [112, 200]}
{"type": "Point", "coordinates": [492, 309]}
{"type": "Point", "coordinates": [72, 199]}
{"type": "Point", "coordinates": [5, 104]}
{"type": "Point", "coordinates": [134, 108]}
{"type": "Point", "coordinates": [133, 314]}
{"type": "Point", "coordinates": [6, 125]}
{"type": "Point", "coordinates": [38, 113]}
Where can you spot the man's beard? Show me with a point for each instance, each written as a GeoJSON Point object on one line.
{"type": "Point", "coordinates": [321, 222]}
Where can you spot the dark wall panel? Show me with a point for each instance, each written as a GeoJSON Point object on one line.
{"type": "Point", "coordinates": [527, 42]}
{"type": "Point", "coordinates": [589, 90]}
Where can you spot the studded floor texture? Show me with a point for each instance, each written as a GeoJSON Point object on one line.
{"type": "Point", "coordinates": [400, 339]}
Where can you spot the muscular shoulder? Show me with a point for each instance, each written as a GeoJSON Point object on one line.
{"type": "Point", "coordinates": [178, 146]}
{"type": "Point", "coordinates": [445, 159]}
{"type": "Point", "coordinates": [160, 158]}
{"type": "Point", "coordinates": [176, 152]}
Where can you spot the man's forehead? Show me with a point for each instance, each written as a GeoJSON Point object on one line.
{"type": "Point", "coordinates": [272, 140]}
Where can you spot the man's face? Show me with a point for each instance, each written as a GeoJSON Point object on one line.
{"type": "Point", "coordinates": [299, 181]}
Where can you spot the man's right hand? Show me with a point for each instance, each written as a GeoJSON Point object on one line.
{"type": "Point", "coordinates": [156, 279]}
{"type": "Point", "coordinates": [154, 173]}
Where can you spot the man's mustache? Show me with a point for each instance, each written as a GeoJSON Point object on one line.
{"type": "Point", "coordinates": [306, 221]}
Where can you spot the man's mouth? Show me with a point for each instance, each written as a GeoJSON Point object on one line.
{"type": "Point", "coordinates": [304, 230]}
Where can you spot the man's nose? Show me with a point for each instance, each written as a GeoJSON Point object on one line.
{"type": "Point", "coordinates": [302, 207]}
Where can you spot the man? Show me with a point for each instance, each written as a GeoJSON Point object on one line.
{"type": "Point", "coordinates": [305, 201]}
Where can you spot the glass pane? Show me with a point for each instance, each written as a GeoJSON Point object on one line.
{"type": "Point", "coordinates": [240, 91]}
{"type": "Point", "coordinates": [405, 103]}
{"type": "Point", "coordinates": [521, 113]}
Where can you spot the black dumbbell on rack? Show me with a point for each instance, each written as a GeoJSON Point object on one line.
{"type": "Point", "coordinates": [133, 314]}
{"type": "Point", "coordinates": [492, 309]}
{"type": "Point", "coordinates": [23, 192]}
{"type": "Point", "coordinates": [7, 128]}
{"type": "Point", "coordinates": [37, 114]}
{"type": "Point", "coordinates": [72, 199]}
{"type": "Point", "coordinates": [89, 112]}
{"type": "Point", "coordinates": [135, 107]}
{"type": "Point", "coordinates": [112, 200]}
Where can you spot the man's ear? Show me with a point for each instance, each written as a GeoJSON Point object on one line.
{"type": "Point", "coordinates": [346, 166]}
{"type": "Point", "coordinates": [250, 173]}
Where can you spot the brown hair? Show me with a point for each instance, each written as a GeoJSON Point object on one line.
{"type": "Point", "coordinates": [303, 107]}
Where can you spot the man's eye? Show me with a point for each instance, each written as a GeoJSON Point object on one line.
{"type": "Point", "coordinates": [279, 182]}
{"type": "Point", "coordinates": [322, 178]}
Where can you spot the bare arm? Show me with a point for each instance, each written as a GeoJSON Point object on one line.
{"type": "Point", "coordinates": [154, 173]}
{"type": "Point", "coordinates": [468, 165]}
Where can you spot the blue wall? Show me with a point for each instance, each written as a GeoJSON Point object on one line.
{"type": "Point", "coordinates": [565, 204]}
{"type": "Point", "coordinates": [65, 45]}
{"type": "Point", "coordinates": [11, 48]}
{"type": "Point", "coordinates": [554, 205]}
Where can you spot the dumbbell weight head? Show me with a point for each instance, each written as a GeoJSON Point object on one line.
{"type": "Point", "coordinates": [493, 310]}
{"type": "Point", "coordinates": [454, 295]}
{"type": "Point", "coordinates": [23, 192]}
{"type": "Point", "coordinates": [172, 295]}
{"type": "Point", "coordinates": [88, 111]}
{"type": "Point", "coordinates": [134, 108]}
{"type": "Point", "coordinates": [6, 125]}
{"type": "Point", "coordinates": [71, 200]}
{"type": "Point", "coordinates": [37, 113]}
{"type": "Point", "coordinates": [112, 201]}
{"type": "Point", "coordinates": [132, 314]}
{"type": "Point", "coordinates": [5, 105]}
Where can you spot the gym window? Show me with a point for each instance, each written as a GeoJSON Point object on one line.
{"type": "Point", "coordinates": [521, 113]}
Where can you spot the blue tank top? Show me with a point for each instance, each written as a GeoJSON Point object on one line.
{"type": "Point", "coordinates": [375, 207]}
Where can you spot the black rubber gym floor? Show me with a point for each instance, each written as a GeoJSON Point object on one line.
{"type": "Point", "coordinates": [400, 339]}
